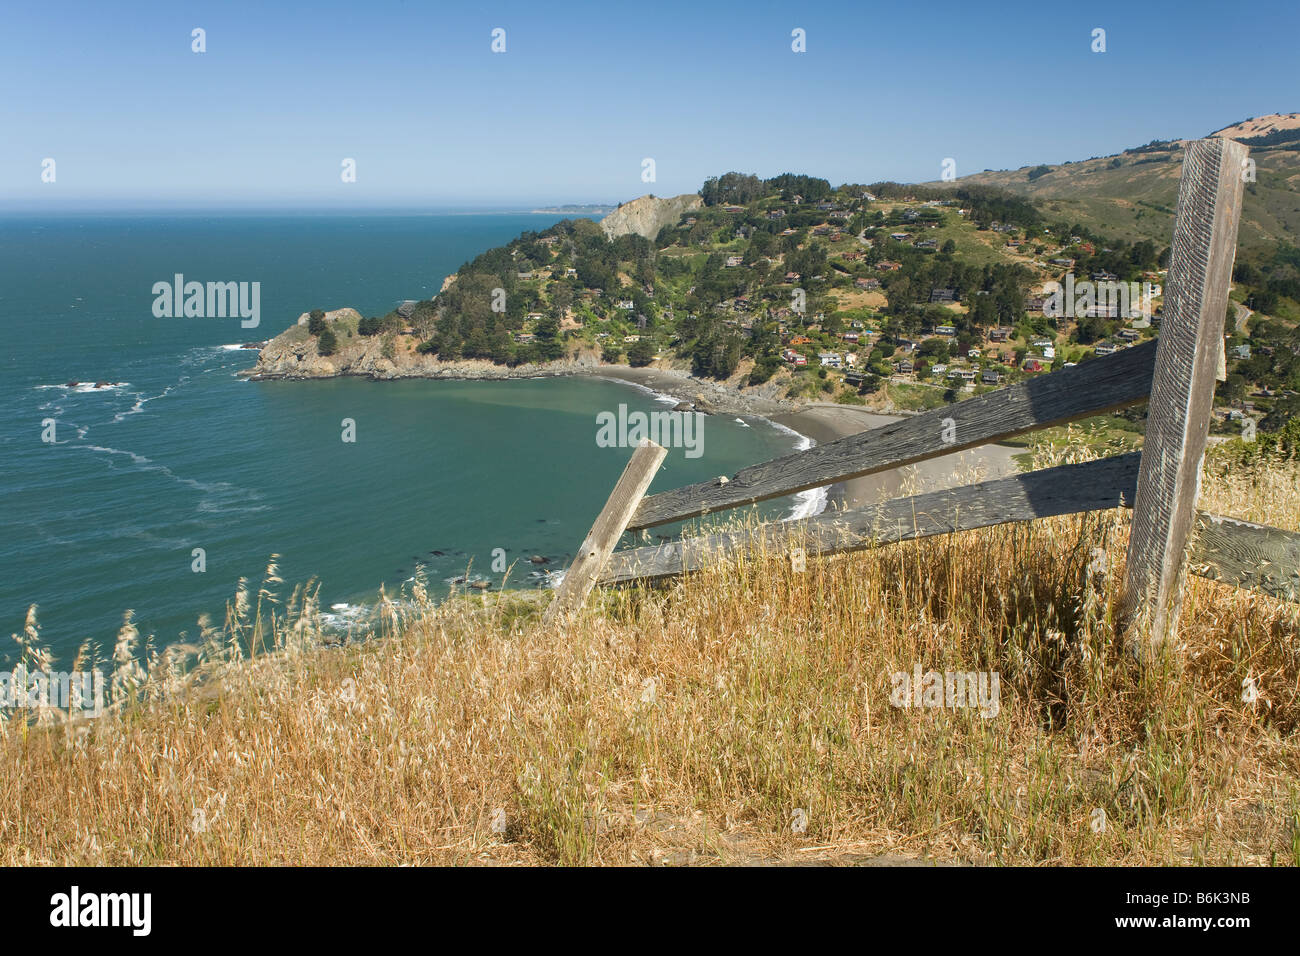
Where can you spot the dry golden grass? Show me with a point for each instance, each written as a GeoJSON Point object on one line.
{"type": "Point", "coordinates": [690, 723]}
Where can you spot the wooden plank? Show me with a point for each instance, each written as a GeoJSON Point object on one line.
{"type": "Point", "coordinates": [1091, 388]}
{"type": "Point", "coordinates": [1182, 389]}
{"type": "Point", "coordinates": [1091, 486]}
{"type": "Point", "coordinates": [1247, 555]}
{"type": "Point", "coordinates": [1228, 550]}
{"type": "Point", "coordinates": [610, 524]}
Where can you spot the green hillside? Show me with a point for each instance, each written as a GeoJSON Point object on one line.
{"type": "Point", "coordinates": [889, 295]}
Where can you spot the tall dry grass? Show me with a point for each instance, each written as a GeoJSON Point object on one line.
{"type": "Point", "coordinates": [704, 721]}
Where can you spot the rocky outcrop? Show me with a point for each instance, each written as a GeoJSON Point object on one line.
{"type": "Point", "coordinates": [349, 314]}
{"type": "Point", "coordinates": [647, 215]}
{"type": "Point", "coordinates": [295, 354]}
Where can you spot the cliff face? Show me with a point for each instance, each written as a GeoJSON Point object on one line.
{"type": "Point", "coordinates": [647, 215]}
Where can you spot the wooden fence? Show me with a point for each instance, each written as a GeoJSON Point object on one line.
{"type": "Point", "coordinates": [1169, 537]}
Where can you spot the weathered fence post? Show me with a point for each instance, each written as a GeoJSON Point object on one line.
{"type": "Point", "coordinates": [610, 524]}
{"type": "Point", "coordinates": [1182, 391]}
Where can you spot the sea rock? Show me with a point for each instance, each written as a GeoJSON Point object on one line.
{"type": "Point", "coordinates": [538, 559]}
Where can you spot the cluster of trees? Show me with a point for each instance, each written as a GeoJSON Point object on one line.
{"type": "Point", "coordinates": [733, 189]}
{"type": "Point", "coordinates": [740, 189]}
{"type": "Point", "coordinates": [326, 342]}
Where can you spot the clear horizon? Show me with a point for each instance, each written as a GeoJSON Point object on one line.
{"type": "Point", "coordinates": [434, 119]}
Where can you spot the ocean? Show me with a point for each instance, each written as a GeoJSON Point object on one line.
{"type": "Point", "coordinates": [103, 509]}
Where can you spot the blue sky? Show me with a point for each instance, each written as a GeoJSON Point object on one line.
{"type": "Point", "coordinates": [585, 91]}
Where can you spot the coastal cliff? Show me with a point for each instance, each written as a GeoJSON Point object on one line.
{"type": "Point", "coordinates": [648, 215]}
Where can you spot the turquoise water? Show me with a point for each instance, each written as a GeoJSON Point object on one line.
{"type": "Point", "coordinates": [184, 454]}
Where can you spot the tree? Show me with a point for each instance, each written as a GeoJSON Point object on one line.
{"type": "Point", "coordinates": [641, 353]}
{"type": "Point", "coordinates": [327, 344]}
{"type": "Point", "coordinates": [935, 348]}
{"type": "Point", "coordinates": [316, 322]}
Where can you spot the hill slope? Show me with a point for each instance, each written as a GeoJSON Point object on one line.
{"type": "Point", "coordinates": [1131, 195]}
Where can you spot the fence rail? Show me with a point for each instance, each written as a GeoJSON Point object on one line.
{"type": "Point", "coordinates": [1092, 388]}
{"type": "Point", "coordinates": [1228, 550]}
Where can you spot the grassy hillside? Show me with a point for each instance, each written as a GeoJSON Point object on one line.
{"type": "Point", "coordinates": [1131, 195]}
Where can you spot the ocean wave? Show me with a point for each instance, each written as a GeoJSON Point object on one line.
{"type": "Point", "coordinates": [662, 397]}
{"type": "Point", "coordinates": [809, 503]}
{"type": "Point", "coordinates": [222, 496]}
{"type": "Point", "coordinates": [813, 501]}
{"type": "Point", "coordinates": [86, 388]}
{"type": "Point", "coordinates": [141, 400]}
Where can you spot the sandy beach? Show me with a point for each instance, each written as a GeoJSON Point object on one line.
{"type": "Point", "coordinates": [827, 422]}
{"type": "Point", "coordinates": [824, 422]}
{"type": "Point", "coordinates": [707, 396]}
